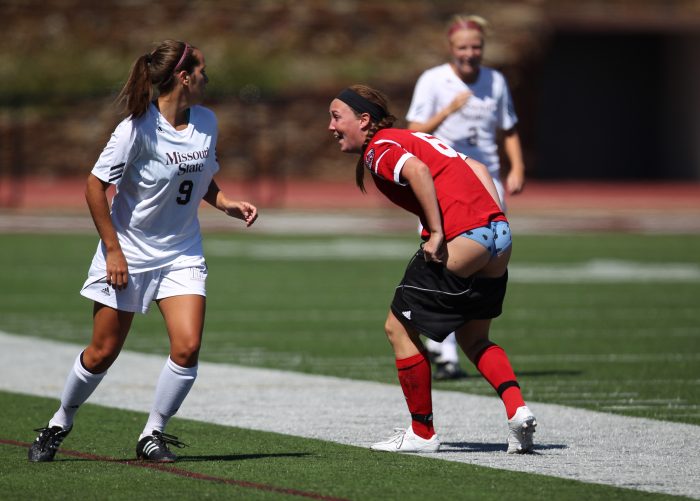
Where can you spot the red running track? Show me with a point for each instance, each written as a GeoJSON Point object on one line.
{"type": "Point", "coordinates": [66, 194]}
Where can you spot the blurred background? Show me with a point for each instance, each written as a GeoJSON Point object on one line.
{"type": "Point", "coordinates": [605, 90]}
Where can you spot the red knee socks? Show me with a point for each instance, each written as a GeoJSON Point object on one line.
{"type": "Point", "coordinates": [414, 376]}
{"type": "Point", "coordinates": [494, 365]}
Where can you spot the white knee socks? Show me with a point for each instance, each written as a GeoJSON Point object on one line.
{"type": "Point", "coordinates": [78, 387]}
{"type": "Point", "coordinates": [173, 386]}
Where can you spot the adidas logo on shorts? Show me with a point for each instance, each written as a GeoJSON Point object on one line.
{"type": "Point", "coordinates": [407, 314]}
{"type": "Point", "coordinates": [105, 291]}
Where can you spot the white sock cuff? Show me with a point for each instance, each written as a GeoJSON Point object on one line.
{"type": "Point", "coordinates": [83, 374]}
{"type": "Point", "coordinates": [182, 371]}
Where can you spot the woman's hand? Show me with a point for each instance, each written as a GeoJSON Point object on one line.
{"type": "Point", "coordinates": [117, 269]}
{"type": "Point", "coordinates": [238, 209]}
{"type": "Point", "coordinates": [515, 181]}
{"type": "Point", "coordinates": [434, 249]}
{"type": "Point", "coordinates": [459, 101]}
{"type": "Point", "coordinates": [241, 210]}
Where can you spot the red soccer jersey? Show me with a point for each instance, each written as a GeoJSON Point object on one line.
{"type": "Point", "coordinates": [464, 201]}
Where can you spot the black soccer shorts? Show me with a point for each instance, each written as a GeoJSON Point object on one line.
{"type": "Point", "coordinates": [435, 302]}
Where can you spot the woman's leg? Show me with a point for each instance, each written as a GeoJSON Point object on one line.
{"type": "Point", "coordinates": [404, 343]}
{"type": "Point", "coordinates": [492, 362]}
{"type": "Point", "coordinates": [184, 319]}
{"type": "Point", "coordinates": [110, 328]}
{"type": "Point", "coordinates": [466, 258]}
{"type": "Point", "coordinates": [413, 369]}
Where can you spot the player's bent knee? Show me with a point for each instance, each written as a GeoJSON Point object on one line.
{"type": "Point", "coordinates": [185, 360]}
{"type": "Point", "coordinates": [186, 353]}
{"type": "Point", "coordinates": [394, 330]}
{"type": "Point", "coordinates": [99, 359]}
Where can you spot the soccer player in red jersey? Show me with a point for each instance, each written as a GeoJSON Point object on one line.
{"type": "Point", "coordinates": [457, 280]}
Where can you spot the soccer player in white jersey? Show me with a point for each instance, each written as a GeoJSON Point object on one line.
{"type": "Point", "coordinates": [162, 159]}
{"type": "Point", "coordinates": [466, 105]}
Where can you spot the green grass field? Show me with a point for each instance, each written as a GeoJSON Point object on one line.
{"type": "Point", "coordinates": [627, 344]}
{"type": "Point", "coordinates": [248, 464]}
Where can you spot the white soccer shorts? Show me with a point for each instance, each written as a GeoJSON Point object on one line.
{"type": "Point", "coordinates": [143, 288]}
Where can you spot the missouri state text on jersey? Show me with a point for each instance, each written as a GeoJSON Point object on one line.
{"type": "Point", "coordinates": [192, 161]}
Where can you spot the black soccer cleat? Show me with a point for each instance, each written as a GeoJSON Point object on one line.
{"type": "Point", "coordinates": [46, 444]}
{"type": "Point", "coordinates": [154, 447]}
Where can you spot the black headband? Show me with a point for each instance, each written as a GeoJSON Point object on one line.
{"type": "Point", "coordinates": [362, 105]}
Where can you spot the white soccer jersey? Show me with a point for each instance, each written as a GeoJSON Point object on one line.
{"type": "Point", "coordinates": [161, 175]}
{"type": "Point", "coordinates": [472, 129]}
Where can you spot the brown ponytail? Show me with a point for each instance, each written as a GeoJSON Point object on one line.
{"type": "Point", "coordinates": [155, 69]}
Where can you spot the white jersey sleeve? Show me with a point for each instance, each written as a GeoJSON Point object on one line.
{"type": "Point", "coordinates": [423, 103]}
{"type": "Point", "coordinates": [116, 155]}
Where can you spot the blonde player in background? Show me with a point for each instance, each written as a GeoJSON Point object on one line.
{"type": "Point", "coordinates": [466, 104]}
{"type": "Point", "coordinates": [162, 159]}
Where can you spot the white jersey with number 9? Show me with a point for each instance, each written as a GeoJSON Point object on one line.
{"type": "Point", "coordinates": [161, 175]}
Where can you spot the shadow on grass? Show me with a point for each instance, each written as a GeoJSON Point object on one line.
{"type": "Point", "coordinates": [548, 373]}
{"type": "Point", "coordinates": [475, 375]}
{"type": "Point", "coordinates": [80, 457]}
{"type": "Point", "coordinates": [491, 447]}
{"type": "Point", "coordinates": [241, 457]}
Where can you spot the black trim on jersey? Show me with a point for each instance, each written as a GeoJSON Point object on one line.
{"type": "Point", "coordinates": [116, 172]}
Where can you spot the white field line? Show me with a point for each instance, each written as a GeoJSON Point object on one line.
{"type": "Point", "coordinates": [349, 221]}
{"type": "Point", "coordinates": [598, 270]}
{"type": "Point", "coordinates": [572, 443]}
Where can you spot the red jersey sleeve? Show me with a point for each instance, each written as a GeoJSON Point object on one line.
{"type": "Point", "coordinates": [464, 201]}
{"type": "Point", "coordinates": [386, 158]}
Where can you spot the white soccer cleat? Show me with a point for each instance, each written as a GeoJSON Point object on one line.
{"type": "Point", "coordinates": [522, 426]}
{"type": "Point", "coordinates": [405, 440]}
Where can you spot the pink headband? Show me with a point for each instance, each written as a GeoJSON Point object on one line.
{"type": "Point", "coordinates": [182, 58]}
{"type": "Point", "coordinates": [464, 25]}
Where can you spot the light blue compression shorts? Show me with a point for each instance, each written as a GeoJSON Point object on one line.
{"type": "Point", "coordinates": [495, 237]}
